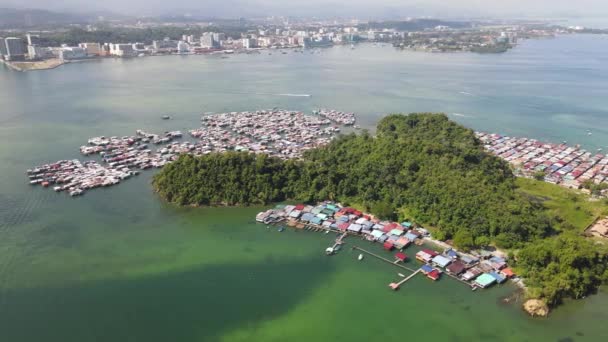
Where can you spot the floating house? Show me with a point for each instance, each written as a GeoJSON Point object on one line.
{"type": "Point", "coordinates": [424, 257]}
{"type": "Point", "coordinates": [498, 263]}
{"type": "Point", "coordinates": [401, 256]}
{"type": "Point", "coordinates": [441, 261]}
{"type": "Point", "coordinates": [507, 272]}
{"type": "Point", "coordinates": [499, 278]}
{"type": "Point", "coordinates": [411, 236]}
{"type": "Point", "coordinates": [471, 274]}
{"type": "Point", "coordinates": [402, 242]}
{"type": "Point", "coordinates": [376, 234]}
{"type": "Point", "coordinates": [430, 272]}
{"type": "Point", "coordinates": [484, 280]}
{"type": "Point", "coordinates": [469, 260]}
{"type": "Point", "coordinates": [457, 267]}
{"type": "Point", "coordinates": [355, 228]}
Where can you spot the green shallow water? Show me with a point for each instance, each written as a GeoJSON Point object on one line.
{"type": "Point", "coordinates": [120, 265]}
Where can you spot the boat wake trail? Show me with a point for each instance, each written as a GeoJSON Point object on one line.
{"type": "Point", "coordinates": [292, 95]}
{"type": "Point", "coordinates": [465, 93]}
{"type": "Point", "coordinates": [461, 115]}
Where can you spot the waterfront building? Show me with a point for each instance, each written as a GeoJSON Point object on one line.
{"type": "Point", "coordinates": [122, 50]}
{"type": "Point", "coordinates": [164, 45]}
{"type": "Point", "coordinates": [38, 52]}
{"type": "Point", "coordinates": [249, 43]}
{"type": "Point", "coordinates": [68, 53]}
{"type": "Point", "coordinates": [91, 49]}
{"type": "Point", "coordinates": [138, 47]}
{"type": "Point", "coordinates": [183, 47]}
{"type": "Point", "coordinates": [265, 41]}
{"type": "Point", "coordinates": [14, 49]}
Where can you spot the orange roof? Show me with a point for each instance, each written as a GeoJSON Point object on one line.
{"type": "Point", "coordinates": [507, 272]}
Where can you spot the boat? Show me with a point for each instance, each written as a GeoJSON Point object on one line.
{"type": "Point", "coordinates": [401, 275]}
{"type": "Point", "coordinates": [329, 251]}
{"type": "Point", "coordinates": [327, 231]}
{"type": "Point", "coordinates": [281, 228]}
{"type": "Point", "coordinates": [166, 117]}
{"type": "Point", "coordinates": [360, 257]}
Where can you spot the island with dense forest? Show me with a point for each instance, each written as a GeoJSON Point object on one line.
{"type": "Point", "coordinates": [422, 167]}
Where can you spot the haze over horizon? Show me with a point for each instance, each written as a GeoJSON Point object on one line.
{"type": "Point", "coordinates": [353, 8]}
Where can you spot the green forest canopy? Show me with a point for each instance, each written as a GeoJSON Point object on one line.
{"type": "Point", "coordinates": [419, 166]}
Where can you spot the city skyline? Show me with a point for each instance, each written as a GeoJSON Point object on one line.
{"type": "Point", "coordinates": [355, 8]}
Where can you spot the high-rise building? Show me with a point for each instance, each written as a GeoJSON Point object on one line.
{"type": "Point", "coordinates": [208, 40]}
{"type": "Point", "coordinates": [2, 48]}
{"type": "Point", "coordinates": [249, 43]}
{"type": "Point", "coordinates": [15, 49]}
{"type": "Point", "coordinates": [32, 39]}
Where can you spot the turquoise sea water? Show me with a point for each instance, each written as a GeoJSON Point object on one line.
{"type": "Point", "coordinates": [119, 265]}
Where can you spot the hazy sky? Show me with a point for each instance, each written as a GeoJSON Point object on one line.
{"type": "Point", "coordinates": [361, 8]}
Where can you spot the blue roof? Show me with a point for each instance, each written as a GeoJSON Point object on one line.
{"type": "Point", "coordinates": [467, 259]}
{"type": "Point", "coordinates": [426, 268]}
{"type": "Point", "coordinates": [499, 278]}
{"type": "Point", "coordinates": [343, 219]}
{"type": "Point", "coordinates": [316, 220]}
{"type": "Point", "coordinates": [307, 217]}
{"type": "Point", "coordinates": [441, 260]}
{"type": "Point", "coordinates": [411, 236]}
{"type": "Point", "coordinates": [406, 224]}
{"type": "Point", "coordinates": [451, 253]}
{"type": "Point", "coordinates": [497, 259]}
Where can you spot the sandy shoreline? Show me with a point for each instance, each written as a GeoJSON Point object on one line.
{"type": "Point", "coordinates": [33, 66]}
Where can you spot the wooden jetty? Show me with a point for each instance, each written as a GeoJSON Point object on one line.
{"type": "Point", "coordinates": [395, 286]}
{"type": "Point", "coordinates": [395, 262]}
{"type": "Point", "coordinates": [339, 241]}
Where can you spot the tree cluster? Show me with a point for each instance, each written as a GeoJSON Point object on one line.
{"type": "Point", "coordinates": [419, 166]}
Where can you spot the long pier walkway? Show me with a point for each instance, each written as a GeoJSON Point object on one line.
{"type": "Point", "coordinates": [396, 286]}
{"type": "Point", "coordinates": [339, 240]}
{"type": "Point", "coordinates": [383, 259]}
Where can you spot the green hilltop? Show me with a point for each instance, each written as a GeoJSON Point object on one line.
{"type": "Point", "coordinates": [422, 167]}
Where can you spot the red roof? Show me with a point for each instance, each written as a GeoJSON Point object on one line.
{"type": "Point", "coordinates": [357, 213]}
{"type": "Point", "coordinates": [401, 256]}
{"type": "Point", "coordinates": [430, 252]}
{"type": "Point", "coordinates": [343, 226]}
{"type": "Point", "coordinates": [388, 246]}
{"type": "Point", "coordinates": [299, 206]}
{"type": "Point", "coordinates": [434, 274]}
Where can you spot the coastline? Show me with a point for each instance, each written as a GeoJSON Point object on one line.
{"type": "Point", "coordinates": [35, 66]}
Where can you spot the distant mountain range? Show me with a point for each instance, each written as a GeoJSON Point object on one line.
{"type": "Point", "coordinates": [20, 18]}
{"type": "Point", "coordinates": [38, 18]}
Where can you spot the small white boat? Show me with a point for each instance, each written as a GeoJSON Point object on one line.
{"type": "Point", "coordinates": [401, 275]}
{"type": "Point", "coordinates": [327, 231]}
{"type": "Point", "coordinates": [329, 251]}
{"type": "Point", "coordinates": [360, 257]}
